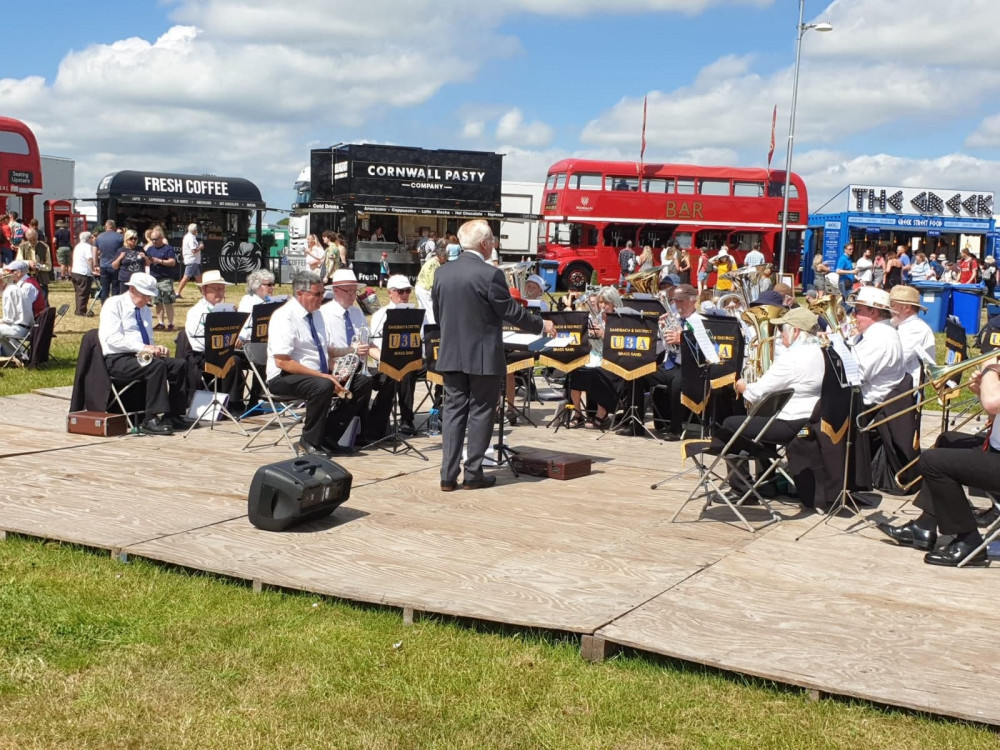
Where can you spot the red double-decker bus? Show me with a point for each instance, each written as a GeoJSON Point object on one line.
{"type": "Point", "coordinates": [592, 208]}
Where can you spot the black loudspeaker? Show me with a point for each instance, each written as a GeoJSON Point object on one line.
{"type": "Point", "coordinates": [295, 491]}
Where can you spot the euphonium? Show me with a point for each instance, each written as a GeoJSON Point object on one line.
{"type": "Point", "coordinates": [761, 353]}
{"type": "Point", "coordinates": [669, 321]}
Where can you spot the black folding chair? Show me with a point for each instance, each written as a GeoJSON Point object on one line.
{"type": "Point", "coordinates": [282, 409]}
{"type": "Point", "coordinates": [722, 468]}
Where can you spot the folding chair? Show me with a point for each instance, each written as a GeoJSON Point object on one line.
{"type": "Point", "coordinates": [22, 351]}
{"type": "Point", "coordinates": [719, 467]}
{"type": "Point", "coordinates": [118, 391]}
{"type": "Point", "coordinates": [282, 409]}
{"type": "Point", "coordinates": [990, 533]}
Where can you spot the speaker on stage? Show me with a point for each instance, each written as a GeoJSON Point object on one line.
{"type": "Point", "coordinates": [296, 491]}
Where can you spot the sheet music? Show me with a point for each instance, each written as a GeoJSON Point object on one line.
{"type": "Point", "coordinates": [516, 338]}
{"type": "Point", "coordinates": [852, 371]}
{"type": "Point", "coordinates": [559, 342]}
{"type": "Point", "coordinates": [705, 343]}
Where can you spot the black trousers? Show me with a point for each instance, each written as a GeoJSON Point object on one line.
{"type": "Point", "coordinates": [165, 379]}
{"type": "Point", "coordinates": [956, 460]}
{"type": "Point", "coordinates": [109, 283]}
{"type": "Point", "coordinates": [666, 403]}
{"type": "Point", "coordinates": [602, 388]}
{"type": "Point", "coordinates": [231, 385]}
{"type": "Point", "coordinates": [324, 426]}
{"type": "Point", "coordinates": [380, 413]}
{"type": "Point", "coordinates": [81, 292]}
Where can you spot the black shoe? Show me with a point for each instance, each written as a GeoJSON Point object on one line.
{"type": "Point", "coordinates": [311, 450]}
{"type": "Point", "coordinates": [180, 423]}
{"type": "Point", "coordinates": [481, 483]}
{"type": "Point", "coordinates": [449, 486]}
{"type": "Point", "coordinates": [156, 426]}
{"type": "Point", "coordinates": [671, 437]}
{"type": "Point", "coordinates": [407, 428]}
{"type": "Point", "coordinates": [511, 416]}
{"type": "Point", "coordinates": [910, 535]}
{"type": "Point", "coordinates": [955, 552]}
{"type": "Point", "coordinates": [340, 450]}
{"type": "Point", "coordinates": [985, 517]}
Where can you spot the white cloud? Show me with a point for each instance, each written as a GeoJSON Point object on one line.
{"type": "Point", "coordinates": [512, 128]}
{"type": "Point", "coordinates": [987, 135]}
{"type": "Point", "coordinates": [473, 129]}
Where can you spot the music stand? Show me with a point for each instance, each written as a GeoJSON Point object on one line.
{"type": "Point", "coordinates": [222, 329]}
{"type": "Point", "coordinates": [630, 353]}
{"type": "Point", "coordinates": [402, 354]}
{"type": "Point", "coordinates": [260, 322]}
{"type": "Point", "coordinates": [518, 359]}
{"type": "Point", "coordinates": [566, 359]}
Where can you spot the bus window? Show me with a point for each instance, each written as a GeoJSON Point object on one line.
{"type": "Point", "coordinates": [656, 236]}
{"type": "Point", "coordinates": [576, 235]}
{"type": "Point", "coordinates": [13, 143]}
{"type": "Point", "coordinates": [748, 189]}
{"type": "Point", "coordinates": [621, 183]}
{"type": "Point", "coordinates": [777, 190]}
{"type": "Point", "coordinates": [551, 200]}
{"type": "Point", "coordinates": [713, 187]}
{"type": "Point", "coordinates": [560, 181]}
{"type": "Point", "coordinates": [658, 185]}
{"type": "Point", "coordinates": [616, 235]}
{"type": "Point", "coordinates": [550, 182]}
{"type": "Point", "coordinates": [685, 185]}
{"type": "Point", "coordinates": [683, 240]}
{"type": "Point", "coordinates": [585, 181]}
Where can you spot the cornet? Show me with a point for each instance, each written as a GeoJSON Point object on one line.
{"type": "Point", "coordinates": [144, 357]}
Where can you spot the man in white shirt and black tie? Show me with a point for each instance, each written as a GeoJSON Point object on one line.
{"type": "Point", "coordinates": [126, 329]}
{"type": "Point", "coordinates": [299, 360]}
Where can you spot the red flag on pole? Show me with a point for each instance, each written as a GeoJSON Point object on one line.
{"type": "Point", "coordinates": [770, 152]}
{"type": "Point", "coordinates": [642, 148]}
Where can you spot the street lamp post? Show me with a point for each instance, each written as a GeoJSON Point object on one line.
{"type": "Point", "coordinates": [802, 29]}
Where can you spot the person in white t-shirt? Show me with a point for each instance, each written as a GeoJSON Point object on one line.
{"type": "Point", "coordinates": [191, 249]}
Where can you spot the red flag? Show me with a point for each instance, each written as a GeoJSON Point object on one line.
{"type": "Point", "coordinates": [770, 152]}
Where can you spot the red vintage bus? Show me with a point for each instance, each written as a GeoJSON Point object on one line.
{"type": "Point", "coordinates": [592, 208]}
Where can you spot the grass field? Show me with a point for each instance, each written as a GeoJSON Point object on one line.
{"type": "Point", "coordinates": [99, 654]}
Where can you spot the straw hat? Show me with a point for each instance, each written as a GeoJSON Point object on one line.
{"type": "Point", "coordinates": [345, 277]}
{"type": "Point", "coordinates": [870, 296]}
{"type": "Point", "coordinates": [212, 277]}
{"type": "Point", "coordinates": [906, 295]}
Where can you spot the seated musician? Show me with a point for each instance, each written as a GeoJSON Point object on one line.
{"type": "Point", "coordinates": [877, 349]}
{"type": "Point", "coordinates": [667, 405]}
{"type": "Point", "coordinates": [299, 358]}
{"type": "Point", "coordinates": [400, 291]}
{"type": "Point", "coordinates": [534, 288]}
{"type": "Point", "coordinates": [344, 320]}
{"type": "Point", "coordinates": [260, 284]}
{"type": "Point", "coordinates": [915, 336]}
{"type": "Point", "coordinates": [956, 460]}
{"type": "Point", "coordinates": [602, 388]}
{"type": "Point", "coordinates": [213, 299]}
{"type": "Point", "coordinates": [799, 368]}
{"type": "Point", "coordinates": [126, 329]}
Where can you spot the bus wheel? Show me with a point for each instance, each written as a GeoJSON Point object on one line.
{"type": "Point", "coordinates": [576, 276]}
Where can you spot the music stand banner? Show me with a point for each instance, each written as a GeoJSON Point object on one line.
{"type": "Point", "coordinates": [222, 329]}
{"type": "Point", "coordinates": [432, 343]}
{"type": "Point", "coordinates": [577, 354]}
{"type": "Point", "coordinates": [956, 343]}
{"type": "Point", "coordinates": [260, 321]}
{"type": "Point", "coordinates": [402, 344]}
{"type": "Point", "coordinates": [649, 308]}
{"type": "Point", "coordinates": [518, 356]}
{"type": "Point", "coordinates": [729, 343]}
{"type": "Point", "coordinates": [630, 346]}
{"type": "Point", "coordinates": [694, 375]}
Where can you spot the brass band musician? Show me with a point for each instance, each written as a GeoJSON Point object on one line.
{"type": "Point", "coordinates": [915, 336]}
{"type": "Point", "coordinates": [955, 460]}
{"type": "Point", "coordinates": [877, 349]}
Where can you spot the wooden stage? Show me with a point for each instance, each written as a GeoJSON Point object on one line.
{"type": "Point", "coordinates": [839, 613]}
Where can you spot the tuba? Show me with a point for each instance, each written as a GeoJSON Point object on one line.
{"type": "Point", "coordinates": [745, 289]}
{"type": "Point", "coordinates": [517, 274]}
{"type": "Point", "coordinates": [645, 282]}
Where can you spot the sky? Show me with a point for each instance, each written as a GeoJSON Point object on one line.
{"type": "Point", "coordinates": [901, 92]}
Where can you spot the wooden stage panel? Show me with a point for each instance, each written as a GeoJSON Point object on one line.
{"type": "Point", "coordinates": [848, 614]}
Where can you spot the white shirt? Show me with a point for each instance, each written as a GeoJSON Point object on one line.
{"type": "Point", "coordinates": [289, 334]}
{"type": "Point", "coordinates": [333, 317]}
{"type": "Point", "coordinates": [917, 340]}
{"type": "Point", "coordinates": [16, 307]}
{"type": "Point", "coordinates": [754, 258]}
{"type": "Point", "coordinates": [864, 270]}
{"type": "Point", "coordinates": [194, 324]}
{"type": "Point", "coordinates": [83, 256]}
{"type": "Point", "coordinates": [247, 303]}
{"type": "Point", "coordinates": [118, 332]}
{"type": "Point", "coordinates": [189, 249]}
{"type": "Point", "coordinates": [29, 291]}
{"type": "Point", "coordinates": [880, 357]}
{"type": "Point", "coordinates": [800, 368]}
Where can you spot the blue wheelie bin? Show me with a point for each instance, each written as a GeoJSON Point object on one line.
{"type": "Point", "coordinates": [967, 305]}
{"type": "Point", "coordinates": [934, 296]}
{"type": "Point", "coordinates": [549, 271]}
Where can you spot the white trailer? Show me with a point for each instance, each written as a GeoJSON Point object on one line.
{"type": "Point", "coordinates": [520, 238]}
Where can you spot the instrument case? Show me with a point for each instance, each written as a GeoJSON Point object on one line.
{"type": "Point", "coordinates": [96, 423]}
{"type": "Point", "coordinates": [552, 464]}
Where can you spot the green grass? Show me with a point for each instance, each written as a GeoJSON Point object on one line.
{"type": "Point", "coordinates": [97, 654]}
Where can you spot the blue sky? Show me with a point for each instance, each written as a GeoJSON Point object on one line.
{"type": "Point", "coordinates": [899, 93]}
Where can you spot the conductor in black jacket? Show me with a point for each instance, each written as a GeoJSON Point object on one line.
{"type": "Point", "coordinates": [471, 303]}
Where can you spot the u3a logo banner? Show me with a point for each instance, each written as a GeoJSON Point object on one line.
{"type": "Point", "coordinates": [567, 358]}
{"type": "Point", "coordinates": [221, 331]}
{"type": "Point", "coordinates": [402, 344]}
{"type": "Point", "coordinates": [630, 346]}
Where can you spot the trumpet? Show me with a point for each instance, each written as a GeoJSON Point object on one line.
{"type": "Point", "coordinates": [144, 357]}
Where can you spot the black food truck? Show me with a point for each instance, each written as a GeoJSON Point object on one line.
{"type": "Point", "coordinates": [222, 207]}
{"type": "Point", "coordinates": [383, 199]}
